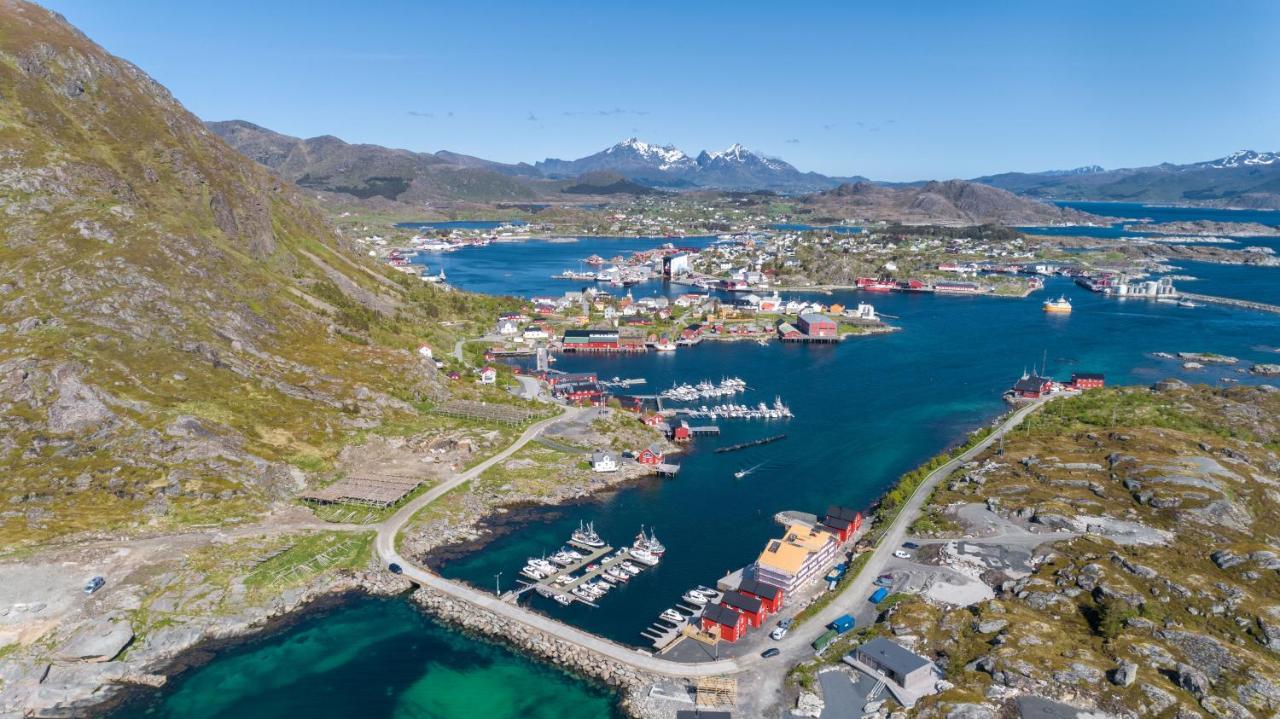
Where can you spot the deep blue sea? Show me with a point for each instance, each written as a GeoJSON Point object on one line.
{"type": "Point", "coordinates": [867, 409]}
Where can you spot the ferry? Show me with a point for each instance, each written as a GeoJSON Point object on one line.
{"type": "Point", "coordinates": [1059, 306]}
{"type": "Point", "coordinates": [586, 534]}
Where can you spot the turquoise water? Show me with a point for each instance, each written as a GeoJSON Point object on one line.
{"type": "Point", "coordinates": [373, 658]}
{"type": "Point", "coordinates": [868, 410]}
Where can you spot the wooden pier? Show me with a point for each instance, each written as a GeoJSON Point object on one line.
{"type": "Point", "coordinates": [550, 588]}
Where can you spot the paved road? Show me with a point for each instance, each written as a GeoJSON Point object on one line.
{"type": "Point", "coordinates": [794, 646]}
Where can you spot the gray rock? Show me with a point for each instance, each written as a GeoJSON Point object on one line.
{"type": "Point", "coordinates": [1193, 680]}
{"type": "Point", "coordinates": [969, 711]}
{"type": "Point", "coordinates": [990, 626]}
{"type": "Point", "coordinates": [100, 641]}
{"type": "Point", "coordinates": [1125, 674]}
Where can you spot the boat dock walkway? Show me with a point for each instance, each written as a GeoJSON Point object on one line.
{"type": "Point", "coordinates": [549, 588]}
{"type": "Point", "coordinates": [1230, 302]}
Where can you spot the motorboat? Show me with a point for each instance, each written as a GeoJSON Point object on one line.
{"type": "Point", "coordinates": [694, 598]}
{"type": "Point", "coordinates": [672, 615]}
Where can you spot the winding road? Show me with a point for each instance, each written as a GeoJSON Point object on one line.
{"type": "Point", "coordinates": [794, 647]}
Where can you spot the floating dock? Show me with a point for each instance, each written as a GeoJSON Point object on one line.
{"type": "Point", "coordinates": [549, 588]}
{"type": "Point", "coordinates": [752, 443]}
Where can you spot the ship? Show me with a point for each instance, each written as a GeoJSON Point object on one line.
{"type": "Point", "coordinates": [586, 534]}
{"type": "Point", "coordinates": [1059, 306]}
{"type": "Point", "coordinates": [649, 543]}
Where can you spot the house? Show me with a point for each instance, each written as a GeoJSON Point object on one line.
{"type": "Point", "coordinates": [507, 327]}
{"type": "Point", "coordinates": [692, 332]}
{"type": "Point", "coordinates": [603, 462]}
{"type": "Point", "coordinates": [843, 522]}
{"type": "Point", "coordinates": [750, 607]}
{"type": "Point", "coordinates": [488, 375]}
{"type": "Point", "coordinates": [770, 596]}
{"type": "Point", "coordinates": [1087, 380]}
{"type": "Point", "coordinates": [724, 622]}
{"type": "Point", "coordinates": [816, 325]}
{"type": "Point", "coordinates": [1032, 386]}
{"type": "Point", "coordinates": [788, 331]}
{"type": "Point", "coordinates": [650, 455]}
{"type": "Point", "coordinates": [866, 313]}
{"type": "Point", "coordinates": [896, 663]}
{"type": "Point", "coordinates": [796, 559]}
{"type": "Point", "coordinates": [535, 332]}
{"type": "Point", "coordinates": [681, 432]}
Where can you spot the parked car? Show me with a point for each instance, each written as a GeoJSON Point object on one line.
{"type": "Point", "coordinates": [770, 652]}
{"type": "Point", "coordinates": [900, 554]}
{"type": "Point", "coordinates": [395, 568]}
{"type": "Point", "coordinates": [778, 633]}
{"type": "Point", "coordinates": [94, 585]}
{"type": "Point", "coordinates": [885, 581]}
{"type": "Point", "coordinates": [910, 545]}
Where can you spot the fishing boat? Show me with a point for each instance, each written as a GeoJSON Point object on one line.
{"type": "Point", "coordinates": [586, 534]}
{"type": "Point", "coordinates": [648, 543]}
{"type": "Point", "coordinates": [644, 557]}
{"type": "Point", "coordinates": [1059, 306]}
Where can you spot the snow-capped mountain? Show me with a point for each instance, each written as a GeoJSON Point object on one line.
{"type": "Point", "coordinates": [1086, 170]}
{"type": "Point", "coordinates": [735, 168]}
{"type": "Point", "coordinates": [1244, 158]}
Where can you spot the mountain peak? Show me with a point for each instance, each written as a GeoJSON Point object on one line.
{"type": "Point", "coordinates": [1245, 158]}
{"type": "Point", "coordinates": [665, 155]}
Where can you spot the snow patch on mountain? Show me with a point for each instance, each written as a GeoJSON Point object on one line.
{"type": "Point", "coordinates": [1245, 158]}
{"type": "Point", "coordinates": [667, 156]}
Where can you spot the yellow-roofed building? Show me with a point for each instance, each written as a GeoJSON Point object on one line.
{"type": "Point", "coordinates": [796, 558]}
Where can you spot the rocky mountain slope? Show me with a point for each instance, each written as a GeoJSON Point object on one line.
{"type": "Point", "coordinates": [364, 171]}
{"type": "Point", "coordinates": [1242, 179]}
{"type": "Point", "coordinates": [181, 334]}
{"type": "Point", "coordinates": [951, 202]}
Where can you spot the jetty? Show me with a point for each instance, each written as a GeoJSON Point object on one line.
{"type": "Point", "coordinates": [752, 443]}
{"type": "Point", "coordinates": [550, 588]}
{"type": "Point", "coordinates": [1230, 302]}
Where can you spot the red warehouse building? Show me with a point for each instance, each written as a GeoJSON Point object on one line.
{"type": "Point", "coordinates": [724, 622]}
{"type": "Point", "coordinates": [770, 596]}
{"type": "Point", "coordinates": [1087, 380]}
{"type": "Point", "coordinates": [750, 607]}
{"type": "Point", "coordinates": [1032, 387]}
{"type": "Point", "coordinates": [816, 325]}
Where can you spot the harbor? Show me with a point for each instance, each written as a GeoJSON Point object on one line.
{"type": "Point", "coordinates": [602, 569]}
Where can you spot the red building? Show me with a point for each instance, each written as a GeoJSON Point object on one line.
{"type": "Point", "coordinates": [681, 432]}
{"type": "Point", "coordinates": [749, 607]}
{"type": "Point", "coordinates": [650, 455]}
{"type": "Point", "coordinates": [1087, 380]}
{"type": "Point", "coordinates": [842, 522]}
{"type": "Point", "coordinates": [816, 325]}
{"type": "Point", "coordinates": [770, 596]}
{"type": "Point", "coordinates": [692, 332]}
{"type": "Point", "coordinates": [724, 622]}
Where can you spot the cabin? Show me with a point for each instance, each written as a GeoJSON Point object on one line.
{"type": "Point", "coordinates": [488, 375]}
{"type": "Point", "coordinates": [603, 462]}
{"type": "Point", "coordinates": [816, 325]}
{"type": "Point", "coordinates": [1033, 387]}
{"type": "Point", "coordinates": [770, 596]}
{"type": "Point", "coordinates": [681, 432]}
{"type": "Point", "coordinates": [724, 622]}
{"type": "Point", "coordinates": [1087, 380]}
{"type": "Point", "coordinates": [650, 455]}
{"type": "Point", "coordinates": [749, 607]}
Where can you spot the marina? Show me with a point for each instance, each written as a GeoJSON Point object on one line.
{"type": "Point", "coordinates": [603, 569]}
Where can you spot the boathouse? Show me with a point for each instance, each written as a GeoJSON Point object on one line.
{"type": "Point", "coordinates": [788, 333]}
{"type": "Point", "coordinates": [770, 596]}
{"type": "Point", "coordinates": [750, 607]}
{"type": "Point", "coordinates": [726, 623]}
{"type": "Point", "coordinates": [1032, 387]}
{"type": "Point", "coordinates": [591, 340]}
{"type": "Point", "coordinates": [1087, 380]}
{"type": "Point", "coordinates": [813, 324]}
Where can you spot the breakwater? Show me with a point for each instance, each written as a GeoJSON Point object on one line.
{"type": "Point", "coordinates": [1231, 302]}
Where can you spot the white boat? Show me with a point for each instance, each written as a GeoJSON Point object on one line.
{"type": "Point", "coordinates": [629, 568]}
{"type": "Point", "coordinates": [586, 534]}
{"type": "Point", "coordinates": [1187, 303]}
{"type": "Point", "coordinates": [672, 615]}
{"type": "Point", "coordinates": [617, 574]}
{"type": "Point", "coordinates": [644, 557]}
{"type": "Point", "coordinates": [532, 573]}
{"type": "Point", "coordinates": [563, 599]}
{"type": "Point", "coordinates": [649, 543]}
{"type": "Point", "coordinates": [744, 472]}
{"type": "Point", "coordinates": [694, 598]}
{"type": "Point", "coordinates": [664, 346]}
{"type": "Point", "coordinates": [1062, 305]}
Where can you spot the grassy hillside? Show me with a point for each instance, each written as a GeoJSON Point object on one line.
{"type": "Point", "coordinates": [180, 332]}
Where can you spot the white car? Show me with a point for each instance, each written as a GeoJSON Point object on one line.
{"type": "Point", "coordinates": [901, 554]}
{"type": "Point", "coordinates": [778, 633]}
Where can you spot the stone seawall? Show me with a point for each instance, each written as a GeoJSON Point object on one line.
{"type": "Point", "coordinates": [579, 660]}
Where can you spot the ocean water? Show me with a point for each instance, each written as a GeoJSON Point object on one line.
{"type": "Point", "coordinates": [461, 224]}
{"type": "Point", "coordinates": [1127, 213]}
{"type": "Point", "coordinates": [867, 410]}
{"type": "Point", "coordinates": [372, 658]}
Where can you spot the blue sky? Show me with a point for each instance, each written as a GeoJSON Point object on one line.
{"type": "Point", "coordinates": [894, 90]}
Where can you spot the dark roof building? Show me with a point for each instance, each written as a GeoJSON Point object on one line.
{"type": "Point", "coordinates": [720, 615]}
{"type": "Point", "coordinates": [755, 587]}
{"type": "Point", "coordinates": [741, 602]}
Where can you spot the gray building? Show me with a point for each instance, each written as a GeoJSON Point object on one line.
{"type": "Point", "coordinates": [905, 668]}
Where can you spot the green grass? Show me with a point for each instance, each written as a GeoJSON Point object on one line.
{"type": "Point", "coordinates": [310, 555]}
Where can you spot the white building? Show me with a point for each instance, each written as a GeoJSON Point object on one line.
{"type": "Point", "coordinates": [488, 375]}
{"type": "Point", "coordinates": [603, 462]}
